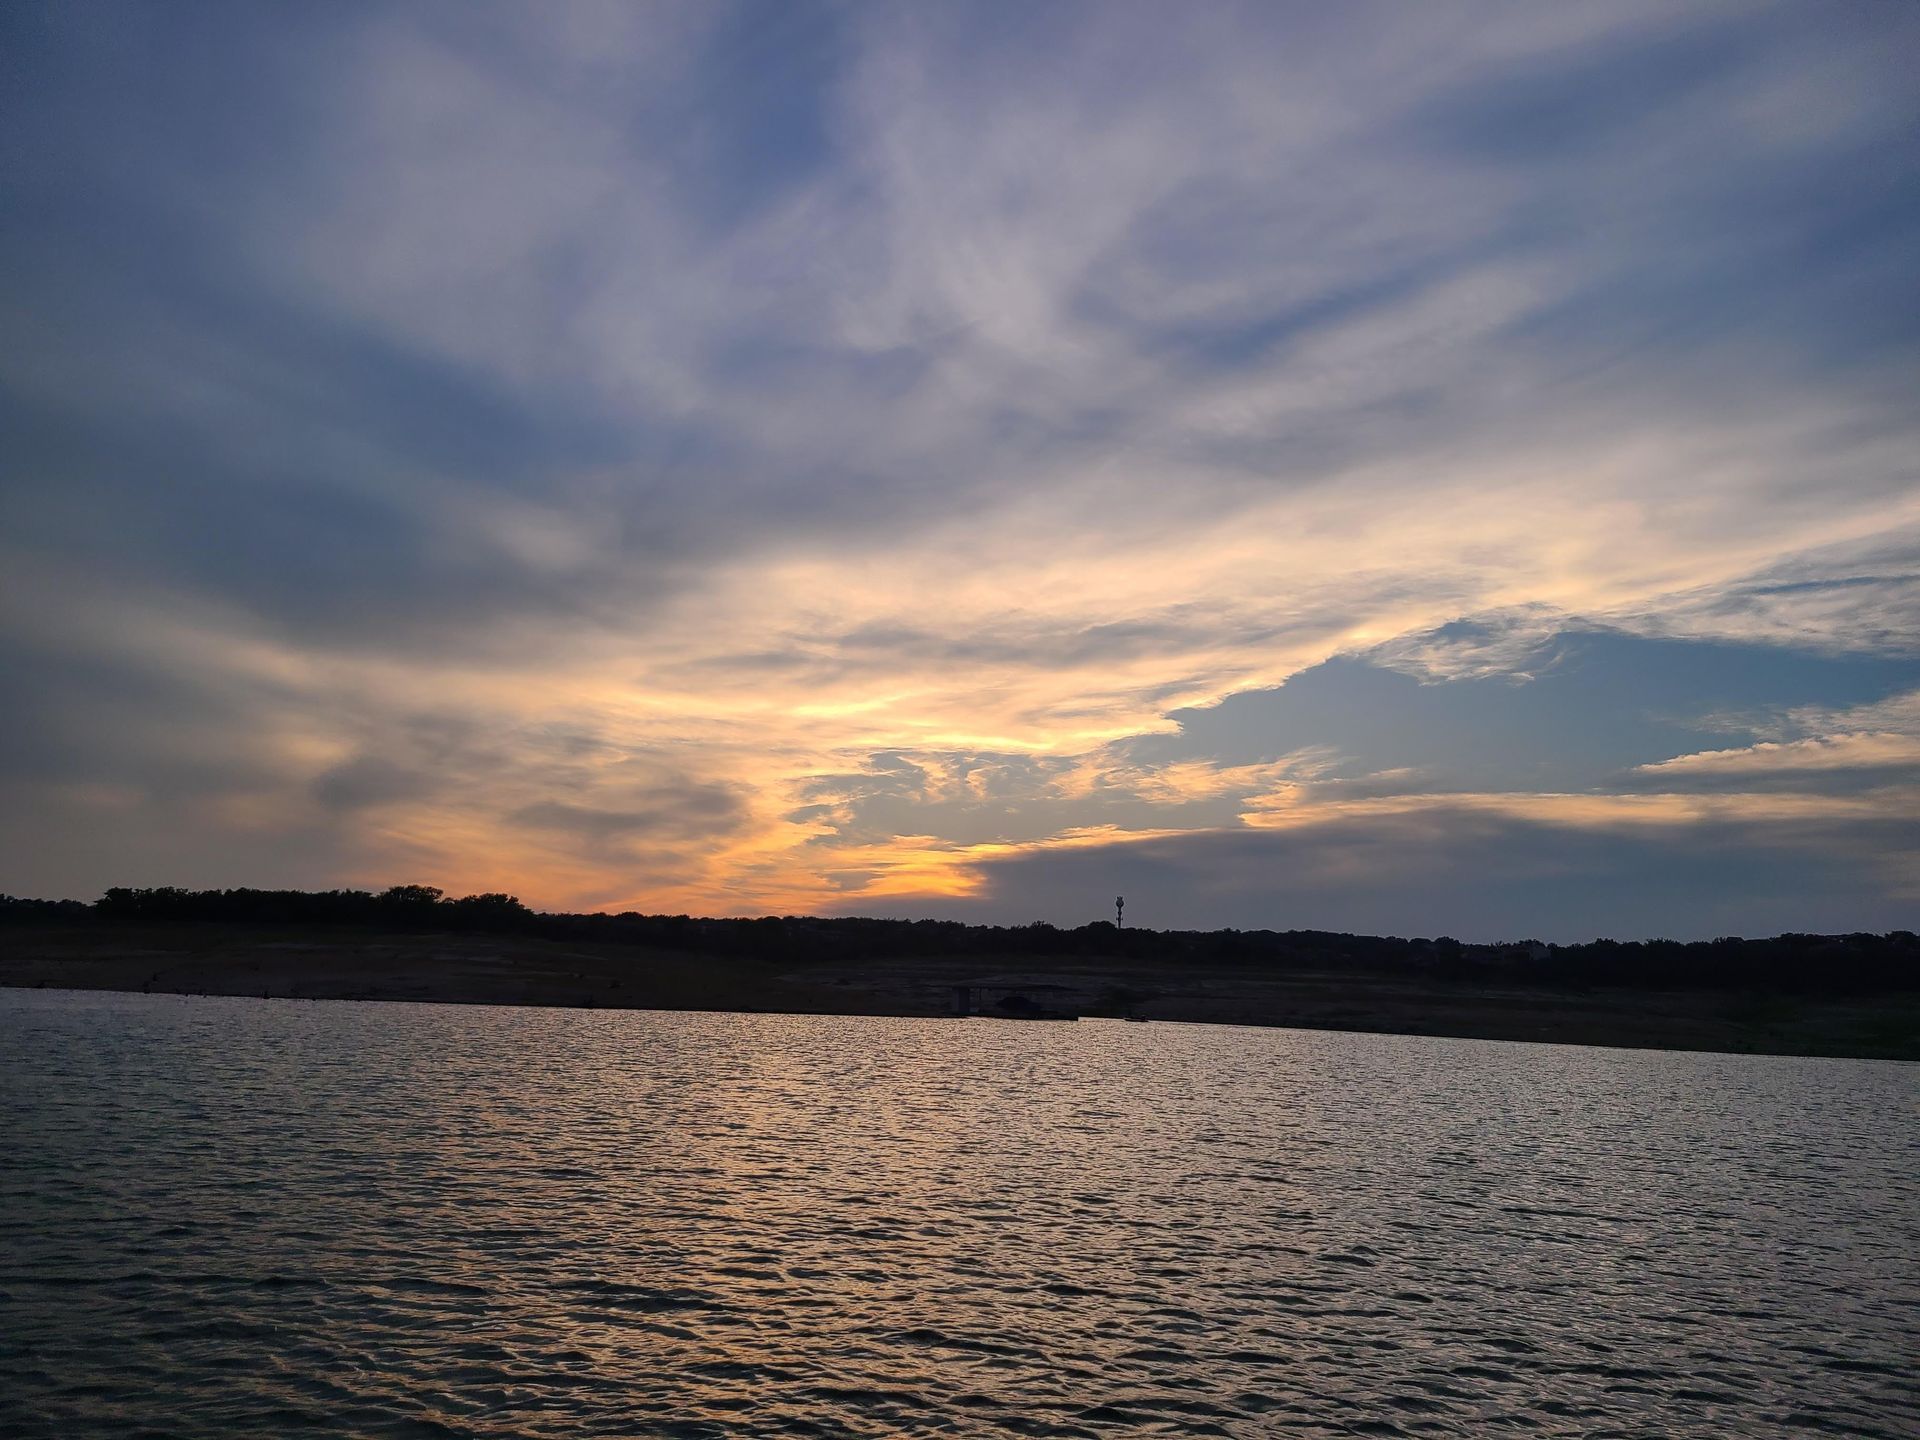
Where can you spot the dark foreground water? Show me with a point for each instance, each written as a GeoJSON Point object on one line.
{"type": "Point", "coordinates": [233, 1217]}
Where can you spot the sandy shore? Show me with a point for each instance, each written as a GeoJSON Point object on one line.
{"type": "Point", "coordinates": [511, 970]}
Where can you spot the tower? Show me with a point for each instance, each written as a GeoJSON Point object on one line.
{"type": "Point", "coordinates": [1119, 909]}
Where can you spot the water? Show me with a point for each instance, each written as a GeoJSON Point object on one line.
{"type": "Point", "coordinates": [233, 1217]}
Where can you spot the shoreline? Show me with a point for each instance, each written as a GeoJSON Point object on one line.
{"type": "Point", "coordinates": [524, 971]}
{"type": "Point", "coordinates": [1302, 1026]}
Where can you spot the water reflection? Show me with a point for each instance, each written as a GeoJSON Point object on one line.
{"type": "Point", "coordinates": [237, 1217]}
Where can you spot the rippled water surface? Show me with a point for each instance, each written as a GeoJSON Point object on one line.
{"type": "Point", "coordinates": [234, 1217]}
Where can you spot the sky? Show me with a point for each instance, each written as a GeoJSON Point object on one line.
{"type": "Point", "coordinates": [1410, 469]}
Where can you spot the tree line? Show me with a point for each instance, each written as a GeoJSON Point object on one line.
{"type": "Point", "coordinates": [1857, 963]}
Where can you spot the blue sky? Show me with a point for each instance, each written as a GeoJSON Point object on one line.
{"type": "Point", "coordinates": [1406, 469]}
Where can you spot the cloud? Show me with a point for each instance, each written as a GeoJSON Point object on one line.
{"type": "Point", "coordinates": [677, 813]}
{"type": "Point", "coordinates": [1834, 751]}
{"type": "Point", "coordinates": [1483, 874]}
{"type": "Point", "coordinates": [499, 448]}
{"type": "Point", "coordinates": [1569, 748]}
{"type": "Point", "coordinates": [1495, 703]}
{"type": "Point", "coordinates": [367, 780]}
{"type": "Point", "coordinates": [1827, 752]}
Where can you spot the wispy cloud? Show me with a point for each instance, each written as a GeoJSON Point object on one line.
{"type": "Point", "coordinates": [1827, 752]}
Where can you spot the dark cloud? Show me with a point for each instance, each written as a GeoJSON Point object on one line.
{"type": "Point", "coordinates": [1897, 784]}
{"type": "Point", "coordinates": [1484, 876]}
{"type": "Point", "coordinates": [367, 781]}
{"type": "Point", "coordinates": [132, 720]}
{"type": "Point", "coordinates": [678, 812]}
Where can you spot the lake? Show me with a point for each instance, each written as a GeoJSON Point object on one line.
{"type": "Point", "coordinates": [246, 1217]}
